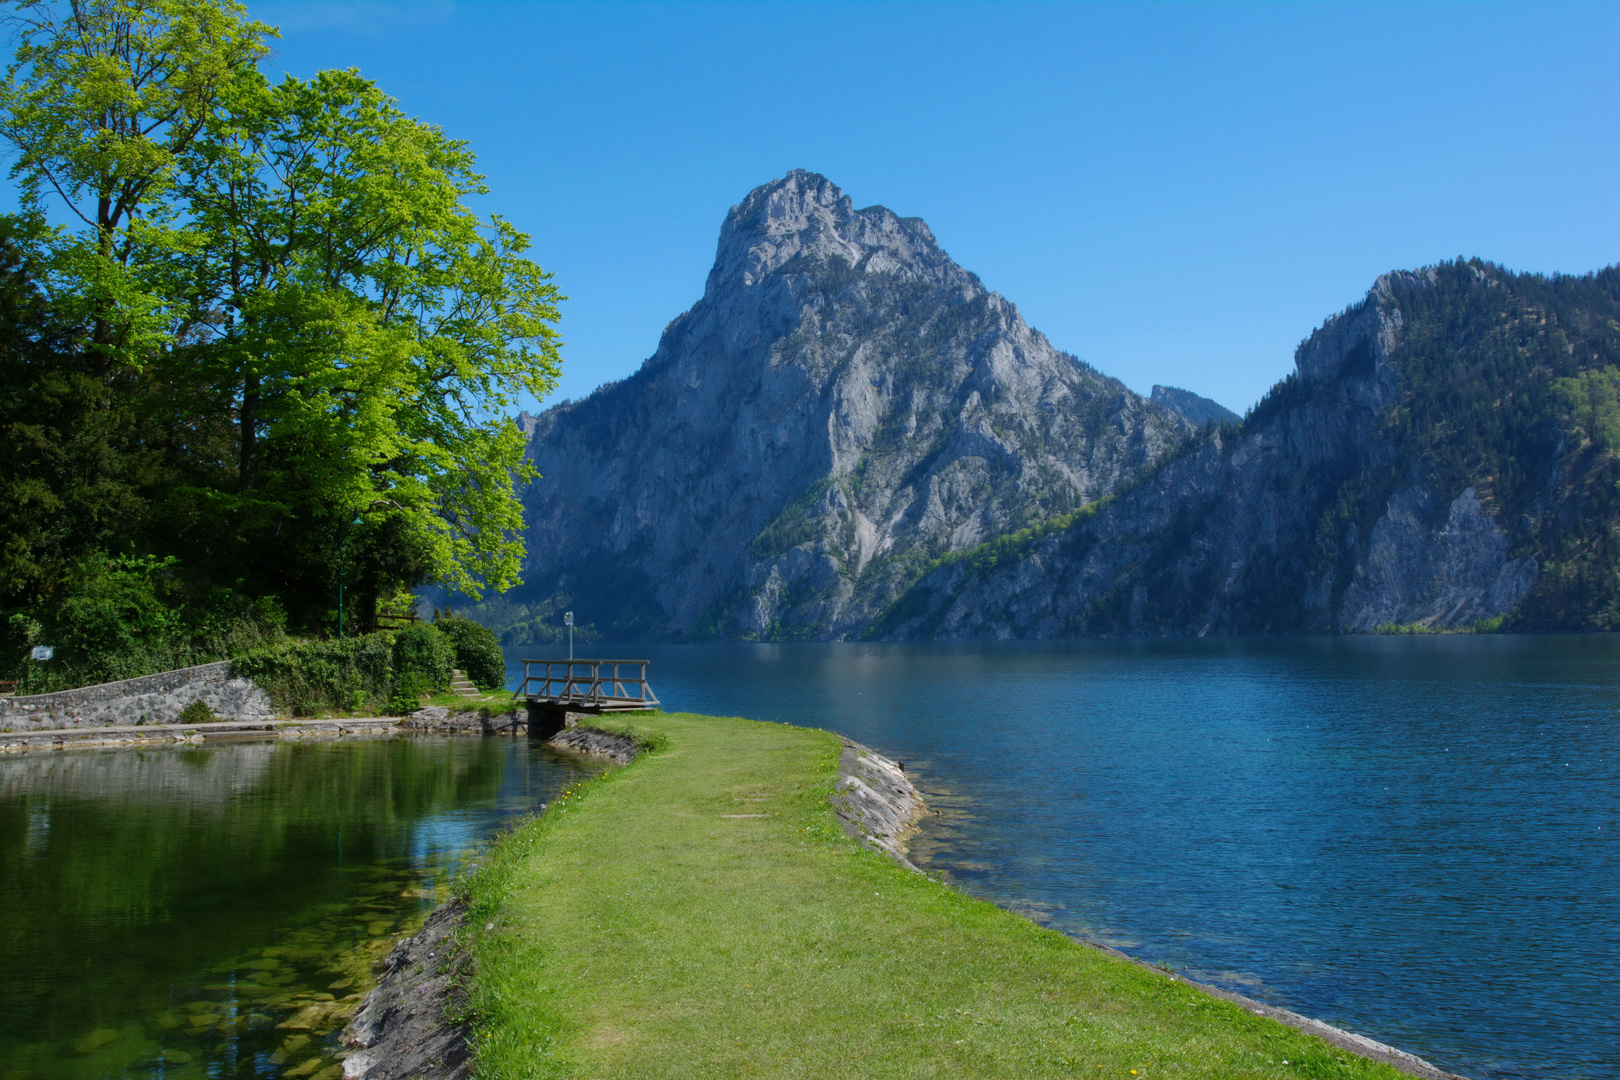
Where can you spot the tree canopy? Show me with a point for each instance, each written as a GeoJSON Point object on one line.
{"type": "Point", "coordinates": [276, 333]}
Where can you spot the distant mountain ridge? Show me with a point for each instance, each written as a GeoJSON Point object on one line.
{"type": "Point", "coordinates": [843, 405]}
{"type": "Point", "coordinates": [1446, 455]}
{"type": "Point", "coordinates": [1196, 410]}
{"type": "Point", "coordinates": [849, 436]}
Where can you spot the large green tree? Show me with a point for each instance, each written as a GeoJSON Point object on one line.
{"type": "Point", "coordinates": [286, 289]}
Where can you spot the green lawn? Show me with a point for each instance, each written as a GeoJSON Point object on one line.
{"type": "Point", "coordinates": [638, 931]}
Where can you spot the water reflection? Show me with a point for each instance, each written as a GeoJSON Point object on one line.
{"type": "Point", "coordinates": [215, 911]}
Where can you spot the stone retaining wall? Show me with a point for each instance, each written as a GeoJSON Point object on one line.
{"type": "Point", "coordinates": [150, 699]}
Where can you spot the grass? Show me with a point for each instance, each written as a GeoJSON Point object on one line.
{"type": "Point", "coordinates": [634, 930]}
{"type": "Point", "coordinates": [499, 701]}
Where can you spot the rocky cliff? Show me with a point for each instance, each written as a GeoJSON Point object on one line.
{"type": "Point", "coordinates": [843, 405]}
{"type": "Point", "coordinates": [1440, 458]}
{"type": "Point", "coordinates": [1194, 409]}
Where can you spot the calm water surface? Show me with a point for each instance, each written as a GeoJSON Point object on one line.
{"type": "Point", "coordinates": [1413, 838]}
{"type": "Point", "coordinates": [204, 911]}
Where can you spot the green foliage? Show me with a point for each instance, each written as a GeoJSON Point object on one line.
{"type": "Point", "coordinates": [1592, 402]}
{"type": "Point", "coordinates": [422, 650]}
{"type": "Point", "coordinates": [235, 316]}
{"type": "Point", "coordinates": [198, 712]}
{"type": "Point", "coordinates": [310, 677]}
{"type": "Point", "coordinates": [477, 652]}
{"type": "Point", "coordinates": [792, 526]}
{"type": "Point", "coordinates": [409, 688]}
{"type": "Point", "coordinates": [119, 617]}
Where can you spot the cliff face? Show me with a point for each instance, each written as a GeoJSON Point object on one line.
{"type": "Point", "coordinates": [1436, 446]}
{"type": "Point", "coordinates": [843, 405]}
{"type": "Point", "coordinates": [1197, 411]}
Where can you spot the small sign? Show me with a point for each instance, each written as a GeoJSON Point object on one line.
{"type": "Point", "coordinates": [44, 652]}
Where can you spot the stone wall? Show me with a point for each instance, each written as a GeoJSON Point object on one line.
{"type": "Point", "coordinates": [150, 699]}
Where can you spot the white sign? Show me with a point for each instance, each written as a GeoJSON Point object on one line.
{"type": "Point", "coordinates": [44, 652]}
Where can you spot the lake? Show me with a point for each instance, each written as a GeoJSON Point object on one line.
{"type": "Point", "coordinates": [201, 911]}
{"type": "Point", "coordinates": [1410, 837]}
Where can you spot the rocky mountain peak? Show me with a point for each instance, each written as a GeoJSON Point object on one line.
{"type": "Point", "coordinates": [843, 405]}
{"type": "Point", "coordinates": [804, 221]}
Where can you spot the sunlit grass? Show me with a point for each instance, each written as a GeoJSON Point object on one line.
{"type": "Point", "coordinates": [635, 930]}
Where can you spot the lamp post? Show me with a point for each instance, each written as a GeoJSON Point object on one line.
{"type": "Point", "coordinates": [343, 540]}
{"type": "Point", "coordinates": [568, 621]}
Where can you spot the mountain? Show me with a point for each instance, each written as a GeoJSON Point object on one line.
{"type": "Point", "coordinates": [1196, 410]}
{"type": "Point", "coordinates": [1445, 455]}
{"type": "Point", "coordinates": [844, 405]}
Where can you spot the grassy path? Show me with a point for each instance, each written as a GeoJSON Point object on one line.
{"type": "Point", "coordinates": [640, 931]}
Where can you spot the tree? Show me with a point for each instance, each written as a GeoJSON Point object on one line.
{"type": "Point", "coordinates": [103, 100]}
{"type": "Point", "coordinates": [286, 288]}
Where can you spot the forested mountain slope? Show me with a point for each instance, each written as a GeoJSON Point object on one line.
{"type": "Point", "coordinates": [1444, 455]}
{"type": "Point", "coordinates": [842, 406]}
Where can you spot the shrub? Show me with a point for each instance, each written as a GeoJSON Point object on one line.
{"type": "Point", "coordinates": [119, 617]}
{"type": "Point", "coordinates": [424, 651]}
{"type": "Point", "coordinates": [308, 677]}
{"type": "Point", "coordinates": [477, 652]}
{"type": "Point", "coordinates": [409, 688]}
{"type": "Point", "coordinates": [198, 712]}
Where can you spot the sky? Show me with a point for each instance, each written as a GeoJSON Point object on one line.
{"type": "Point", "coordinates": [1176, 193]}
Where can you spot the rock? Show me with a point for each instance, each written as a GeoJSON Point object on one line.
{"type": "Point", "coordinates": [875, 802]}
{"type": "Point", "coordinates": [401, 1031]}
{"type": "Point", "coordinates": [1306, 519]}
{"type": "Point", "coordinates": [843, 404]}
{"type": "Point", "coordinates": [95, 1040]}
{"type": "Point", "coordinates": [1196, 410]}
{"type": "Point", "coordinates": [587, 740]}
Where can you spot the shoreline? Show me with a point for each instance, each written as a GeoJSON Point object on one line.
{"type": "Point", "coordinates": [873, 801]}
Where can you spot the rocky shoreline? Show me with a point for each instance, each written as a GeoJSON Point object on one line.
{"type": "Point", "coordinates": [407, 1028]}
{"type": "Point", "coordinates": [411, 1027]}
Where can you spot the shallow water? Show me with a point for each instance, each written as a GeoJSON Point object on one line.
{"type": "Point", "coordinates": [1413, 838]}
{"type": "Point", "coordinates": [213, 911]}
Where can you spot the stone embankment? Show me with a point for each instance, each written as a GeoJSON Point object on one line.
{"type": "Point", "coordinates": [150, 699]}
{"type": "Point", "coordinates": [74, 732]}
{"type": "Point", "coordinates": [875, 801]}
{"type": "Point", "coordinates": [438, 718]}
{"type": "Point", "coordinates": [410, 1026]}
{"type": "Point", "coordinates": [122, 735]}
{"type": "Point", "coordinates": [406, 1028]}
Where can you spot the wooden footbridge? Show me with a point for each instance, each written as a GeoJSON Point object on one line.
{"type": "Point", "coordinates": [555, 688]}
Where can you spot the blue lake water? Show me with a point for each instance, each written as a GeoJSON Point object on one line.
{"type": "Point", "coordinates": [1413, 838]}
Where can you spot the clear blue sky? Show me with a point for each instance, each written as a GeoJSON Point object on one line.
{"type": "Point", "coordinates": [1176, 193]}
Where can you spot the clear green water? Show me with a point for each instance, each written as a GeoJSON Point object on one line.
{"type": "Point", "coordinates": [215, 911]}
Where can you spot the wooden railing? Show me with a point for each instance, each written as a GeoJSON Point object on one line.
{"type": "Point", "coordinates": [588, 684]}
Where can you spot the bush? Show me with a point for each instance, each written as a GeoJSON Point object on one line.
{"type": "Point", "coordinates": [119, 617]}
{"type": "Point", "coordinates": [477, 652]}
{"type": "Point", "coordinates": [409, 689]}
{"type": "Point", "coordinates": [308, 677]}
{"type": "Point", "coordinates": [198, 712]}
{"type": "Point", "coordinates": [423, 650]}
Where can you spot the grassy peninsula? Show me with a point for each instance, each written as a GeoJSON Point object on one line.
{"type": "Point", "coordinates": [701, 913]}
